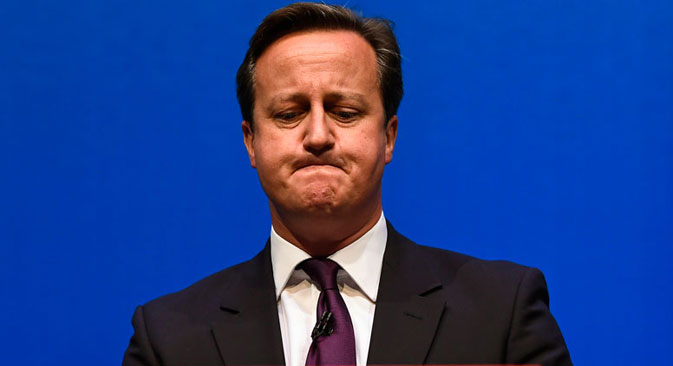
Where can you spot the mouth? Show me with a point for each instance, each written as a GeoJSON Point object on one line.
{"type": "Point", "coordinates": [310, 164]}
{"type": "Point", "coordinates": [311, 167]}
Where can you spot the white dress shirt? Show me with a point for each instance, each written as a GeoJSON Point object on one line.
{"type": "Point", "coordinates": [297, 296]}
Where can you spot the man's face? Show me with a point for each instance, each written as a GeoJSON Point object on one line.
{"type": "Point", "coordinates": [320, 140]}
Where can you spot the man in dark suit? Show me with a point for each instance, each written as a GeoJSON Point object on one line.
{"type": "Point", "coordinates": [319, 90]}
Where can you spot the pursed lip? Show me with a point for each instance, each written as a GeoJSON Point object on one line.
{"type": "Point", "coordinates": [315, 164]}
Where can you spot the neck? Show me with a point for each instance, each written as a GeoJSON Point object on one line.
{"type": "Point", "coordinates": [322, 235]}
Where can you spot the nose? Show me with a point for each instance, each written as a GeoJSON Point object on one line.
{"type": "Point", "coordinates": [318, 133]}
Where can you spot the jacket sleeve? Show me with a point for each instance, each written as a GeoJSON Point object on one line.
{"type": "Point", "coordinates": [535, 337]}
{"type": "Point", "coordinates": [139, 351]}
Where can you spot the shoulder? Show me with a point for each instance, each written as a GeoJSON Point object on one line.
{"type": "Point", "coordinates": [454, 268]}
{"type": "Point", "coordinates": [509, 299]}
{"type": "Point", "coordinates": [472, 269]}
{"type": "Point", "coordinates": [488, 286]}
{"type": "Point", "coordinates": [206, 295]}
{"type": "Point", "coordinates": [490, 281]}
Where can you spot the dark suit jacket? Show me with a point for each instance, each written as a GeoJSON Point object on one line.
{"type": "Point", "coordinates": [434, 307]}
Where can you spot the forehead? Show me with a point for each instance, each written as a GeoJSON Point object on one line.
{"type": "Point", "coordinates": [336, 58]}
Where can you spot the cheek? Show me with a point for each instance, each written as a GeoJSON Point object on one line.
{"type": "Point", "coordinates": [273, 156]}
{"type": "Point", "coordinates": [368, 152]}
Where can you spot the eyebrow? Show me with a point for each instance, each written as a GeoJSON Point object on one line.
{"type": "Point", "coordinates": [338, 96]}
{"type": "Point", "coordinates": [283, 98]}
{"type": "Point", "coordinates": [294, 97]}
{"type": "Point", "coordinates": [331, 96]}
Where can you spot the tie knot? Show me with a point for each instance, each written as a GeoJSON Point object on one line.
{"type": "Point", "coordinates": [322, 271]}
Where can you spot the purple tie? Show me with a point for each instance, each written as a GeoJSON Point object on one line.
{"type": "Point", "coordinates": [333, 337]}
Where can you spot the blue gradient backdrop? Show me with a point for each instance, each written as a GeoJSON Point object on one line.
{"type": "Point", "coordinates": [535, 131]}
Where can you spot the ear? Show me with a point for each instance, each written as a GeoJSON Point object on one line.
{"type": "Point", "coordinates": [391, 136]}
{"type": "Point", "coordinates": [248, 137]}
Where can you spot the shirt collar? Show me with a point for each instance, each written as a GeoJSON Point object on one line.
{"type": "Point", "coordinates": [362, 259]}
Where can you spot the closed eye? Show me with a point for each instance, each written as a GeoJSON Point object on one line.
{"type": "Point", "coordinates": [345, 115]}
{"type": "Point", "coordinates": [288, 116]}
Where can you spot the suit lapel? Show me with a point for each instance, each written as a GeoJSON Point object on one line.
{"type": "Point", "coordinates": [409, 306]}
{"type": "Point", "coordinates": [249, 331]}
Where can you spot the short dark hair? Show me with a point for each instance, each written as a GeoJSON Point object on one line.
{"type": "Point", "coordinates": [304, 16]}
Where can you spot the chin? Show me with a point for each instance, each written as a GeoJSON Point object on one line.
{"type": "Point", "coordinates": [319, 193]}
{"type": "Point", "coordinates": [317, 204]}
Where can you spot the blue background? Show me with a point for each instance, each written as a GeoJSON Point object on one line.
{"type": "Point", "coordinates": [535, 131]}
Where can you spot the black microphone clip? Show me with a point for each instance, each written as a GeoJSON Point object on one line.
{"type": "Point", "coordinates": [324, 326]}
